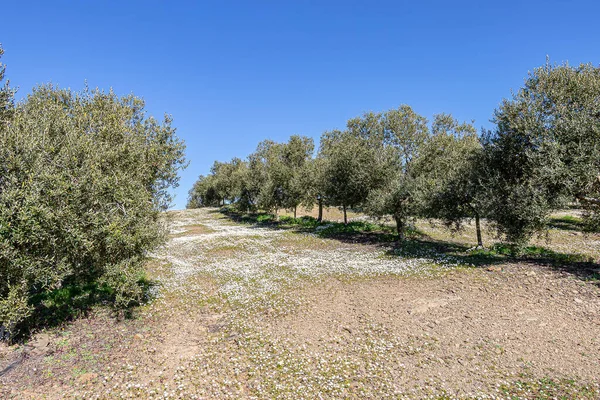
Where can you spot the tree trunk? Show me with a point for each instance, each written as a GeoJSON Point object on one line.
{"type": "Point", "coordinates": [589, 200]}
{"type": "Point", "coordinates": [399, 228]}
{"type": "Point", "coordinates": [295, 207]}
{"type": "Point", "coordinates": [345, 216]}
{"type": "Point", "coordinates": [478, 228]}
{"type": "Point", "coordinates": [320, 217]}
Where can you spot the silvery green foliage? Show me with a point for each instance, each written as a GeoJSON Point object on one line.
{"type": "Point", "coordinates": [83, 178]}
{"type": "Point", "coordinates": [297, 156]}
{"type": "Point", "coordinates": [278, 170]}
{"type": "Point", "coordinates": [452, 182]}
{"type": "Point", "coordinates": [227, 183]}
{"type": "Point", "coordinates": [273, 177]}
{"type": "Point", "coordinates": [545, 150]}
{"type": "Point", "coordinates": [6, 95]}
{"type": "Point", "coordinates": [402, 135]}
{"type": "Point", "coordinates": [257, 177]}
{"type": "Point", "coordinates": [313, 182]}
{"type": "Point", "coordinates": [350, 169]}
{"type": "Point", "coordinates": [446, 152]}
{"type": "Point", "coordinates": [203, 193]}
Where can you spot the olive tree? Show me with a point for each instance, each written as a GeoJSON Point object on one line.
{"type": "Point", "coordinates": [83, 179]}
{"type": "Point", "coordinates": [272, 175]}
{"type": "Point", "coordinates": [404, 136]}
{"type": "Point", "coordinates": [275, 177]}
{"type": "Point", "coordinates": [245, 198]}
{"type": "Point", "coordinates": [312, 179]}
{"type": "Point", "coordinates": [349, 169]}
{"type": "Point", "coordinates": [226, 183]}
{"type": "Point", "coordinates": [204, 193]}
{"type": "Point", "coordinates": [297, 154]}
{"type": "Point", "coordinates": [545, 150]}
{"type": "Point", "coordinates": [222, 180]}
{"type": "Point", "coordinates": [451, 178]}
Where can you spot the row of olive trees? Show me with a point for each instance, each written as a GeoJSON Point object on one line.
{"type": "Point", "coordinates": [276, 176]}
{"type": "Point", "coordinates": [543, 154]}
{"type": "Point", "coordinates": [83, 178]}
{"type": "Point", "coordinates": [388, 163]}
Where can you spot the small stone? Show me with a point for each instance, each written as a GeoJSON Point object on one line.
{"type": "Point", "coordinates": [494, 269]}
{"type": "Point", "coordinates": [138, 336]}
{"type": "Point", "coordinates": [578, 301]}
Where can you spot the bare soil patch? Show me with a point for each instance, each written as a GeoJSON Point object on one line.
{"type": "Point", "coordinates": [472, 329]}
{"type": "Point", "coordinates": [192, 230]}
{"type": "Point", "coordinates": [329, 213]}
{"type": "Point", "coordinates": [252, 312]}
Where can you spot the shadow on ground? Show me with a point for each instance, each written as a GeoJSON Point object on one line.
{"type": "Point", "coordinates": [567, 223]}
{"type": "Point", "coordinates": [54, 308]}
{"type": "Point", "coordinates": [420, 245]}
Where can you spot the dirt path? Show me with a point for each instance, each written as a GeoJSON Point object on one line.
{"type": "Point", "coordinates": [245, 312]}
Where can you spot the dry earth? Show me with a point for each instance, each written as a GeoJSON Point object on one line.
{"type": "Point", "coordinates": [247, 312]}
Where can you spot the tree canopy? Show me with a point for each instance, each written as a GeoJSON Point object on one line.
{"type": "Point", "coordinates": [545, 150]}
{"type": "Point", "coordinates": [543, 154]}
{"type": "Point", "coordinates": [83, 179]}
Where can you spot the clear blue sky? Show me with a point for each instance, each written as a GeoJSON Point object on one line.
{"type": "Point", "coordinates": [233, 73]}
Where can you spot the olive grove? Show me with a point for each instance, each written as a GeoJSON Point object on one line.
{"type": "Point", "coordinates": [542, 155]}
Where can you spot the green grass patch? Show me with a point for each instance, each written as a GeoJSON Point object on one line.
{"type": "Point", "coordinates": [68, 302]}
{"type": "Point", "coordinates": [567, 222]}
{"type": "Point", "coordinates": [304, 222]}
{"type": "Point", "coordinates": [379, 232]}
{"type": "Point", "coordinates": [549, 388]}
{"type": "Point", "coordinates": [55, 307]}
{"type": "Point", "coordinates": [418, 244]}
{"type": "Point", "coordinates": [354, 227]}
